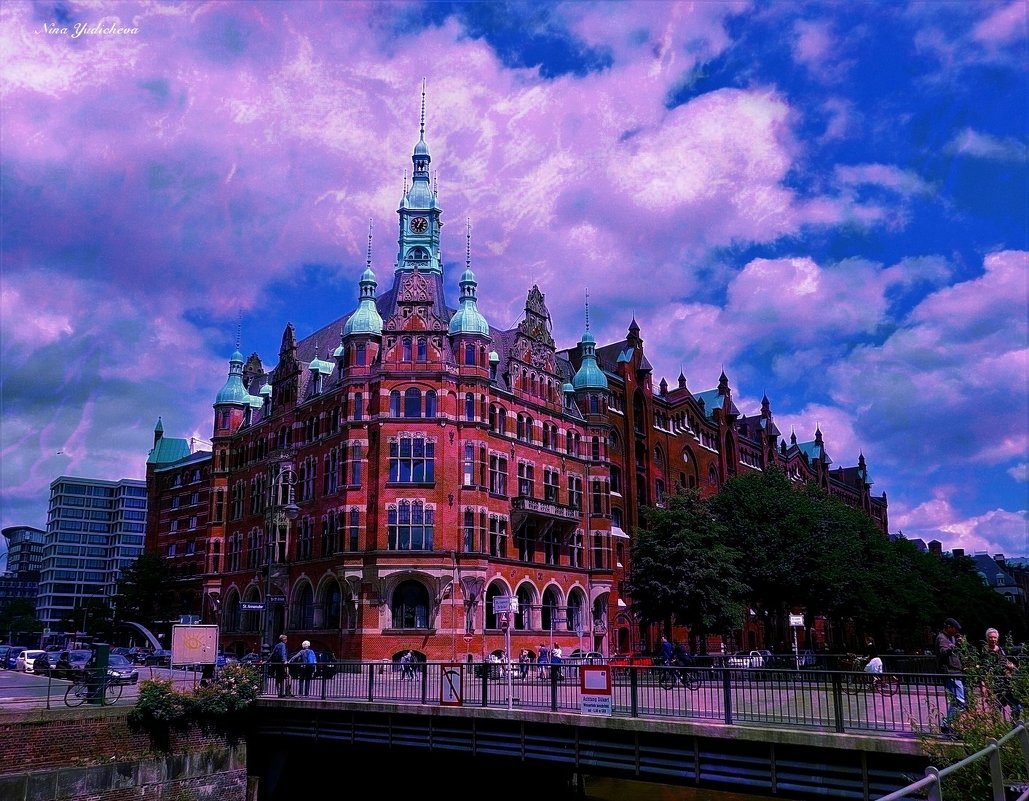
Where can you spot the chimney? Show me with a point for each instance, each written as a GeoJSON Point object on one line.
{"type": "Point", "coordinates": [936, 548]}
{"type": "Point", "coordinates": [999, 559]}
{"type": "Point", "coordinates": [957, 553]}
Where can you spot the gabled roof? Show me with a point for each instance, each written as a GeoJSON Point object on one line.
{"type": "Point", "coordinates": [167, 450]}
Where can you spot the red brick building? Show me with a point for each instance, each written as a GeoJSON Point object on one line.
{"type": "Point", "coordinates": [400, 468]}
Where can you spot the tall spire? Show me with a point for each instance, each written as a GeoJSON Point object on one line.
{"type": "Point", "coordinates": [421, 124]}
{"type": "Point", "coordinates": [587, 308]}
{"type": "Point", "coordinates": [589, 375]}
{"type": "Point", "coordinates": [468, 319]}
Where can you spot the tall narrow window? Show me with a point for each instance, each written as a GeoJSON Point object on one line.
{"type": "Point", "coordinates": [469, 354]}
{"type": "Point", "coordinates": [430, 403]}
{"type": "Point", "coordinates": [353, 528]}
{"type": "Point", "coordinates": [394, 403]}
{"type": "Point", "coordinates": [468, 471]}
{"type": "Point", "coordinates": [412, 403]}
{"type": "Point", "coordinates": [405, 349]}
{"type": "Point", "coordinates": [360, 354]}
{"type": "Point", "coordinates": [469, 406]}
{"type": "Point", "coordinates": [422, 349]}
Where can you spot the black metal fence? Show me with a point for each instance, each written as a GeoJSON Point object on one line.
{"type": "Point", "coordinates": [812, 698]}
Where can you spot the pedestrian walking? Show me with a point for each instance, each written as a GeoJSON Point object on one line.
{"type": "Point", "coordinates": [948, 660]}
{"type": "Point", "coordinates": [543, 660]}
{"type": "Point", "coordinates": [277, 667]}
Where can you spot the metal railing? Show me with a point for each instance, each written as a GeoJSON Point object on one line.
{"type": "Point", "coordinates": [822, 700]}
{"type": "Point", "coordinates": [933, 779]}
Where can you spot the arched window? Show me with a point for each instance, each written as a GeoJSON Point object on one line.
{"type": "Point", "coordinates": [360, 355]}
{"type": "Point", "coordinates": [303, 607]}
{"type": "Point", "coordinates": [422, 350]}
{"type": "Point", "coordinates": [469, 354]}
{"type": "Point", "coordinates": [394, 403]}
{"type": "Point", "coordinates": [430, 403]}
{"type": "Point", "coordinates": [410, 606]}
{"type": "Point", "coordinates": [412, 403]}
{"type": "Point", "coordinates": [575, 618]}
{"type": "Point", "coordinates": [549, 612]}
{"type": "Point", "coordinates": [469, 406]}
{"type": "Point", "coordinates": [332, 603]}
{"type": "Point", "coordinates": [405, 349]}
{"type": "Point", "coordinates": [523, 620]}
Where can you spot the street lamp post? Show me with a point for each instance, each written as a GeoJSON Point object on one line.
{"type": "Point", "coordinates": [281, 512]}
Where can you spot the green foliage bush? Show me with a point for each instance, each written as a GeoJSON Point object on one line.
{"type": "Point", "coordinates": [983, 719]}
{"type": "Point", "coordinates": [213, 706]}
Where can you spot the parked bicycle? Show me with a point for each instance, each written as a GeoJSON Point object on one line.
{"type": "Point", "coordinates": [84, 689]}
{"type": "Point", "coordinates": [672, 674]}
{"type": "Point", "coordinates": [886, 684]}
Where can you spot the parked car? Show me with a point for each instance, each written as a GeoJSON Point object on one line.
{"type": "Point", "coordinates": [12, 656]}
{"type": "Point", "coordinates": [749, 659]}
{"type": "Point", "coordinates": [253, 659]}
{"type": "Point", "coordinates": [327, 665]}
{"type": "Point", "coordinates": [26, 659]}
{"type": "Point", "coordinates": [120, 670]}
{"type": "Point", "coordinates": [5, 651]}
{"type": "Point", "coordinates": [44, 664]}
{"type": "Point", "coordinates": [71, 664]}
{"type": "Point", "coordinates": [159, 657]}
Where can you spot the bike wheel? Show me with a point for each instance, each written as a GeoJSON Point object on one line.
{"type": "Point", "coordinates": [690, 680]}
{"type": "Point", "coordinates": [112, 692]}
{"type": "Point", "coordinates": [851, 685]}
{"type": "Point", "coordinates": [889, 685]}
{"type": "Point", "coordinates": [76, 694]}
{"type": "Point", "coordinates": [665, 679]}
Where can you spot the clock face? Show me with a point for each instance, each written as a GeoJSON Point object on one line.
{"type": "Point", "coordinates": [419, 225]}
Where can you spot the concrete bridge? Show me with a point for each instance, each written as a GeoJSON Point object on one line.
{"type": "Point", "coordinates": [786, 734]}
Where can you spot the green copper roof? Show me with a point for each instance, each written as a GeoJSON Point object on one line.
{"type": "Point", "coordinates": [468, 319]}
{"type": "Point", "coordinates": [321, 366]}
{"type": "Point", "coordinates": [589, 375]}
{"type": "Point", "coordinates": [233, 391]}
{"type": "Point", "coordinates": [168, 449]}
{"type": "Point", "coordinates": [366, 320]}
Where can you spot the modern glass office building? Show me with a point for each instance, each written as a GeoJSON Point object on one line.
{"type": "Point", "coordinates": [94, 530]}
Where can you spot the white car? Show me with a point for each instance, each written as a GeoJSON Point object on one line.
{"type": "Point", "coordinates": [748, 659]}
{"type": "Point", "coordinates": [27, 658]}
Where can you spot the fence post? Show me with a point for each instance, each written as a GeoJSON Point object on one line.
{"type": "Point", "coordinates": [634, 686]}
{"type": "Point", "coordinates": [936, 788]}
{"type": "Point", "coordinates": [996, 771]}
{"type": "Point", "coordinates": [727, 693]}
{"type": "Point", "coordinates": [371, 680]}
{"type": "Point", "coordinates": [837, 699]}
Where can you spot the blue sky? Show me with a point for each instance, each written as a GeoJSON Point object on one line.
{"type": "Point", "coordinates": [828, 201]}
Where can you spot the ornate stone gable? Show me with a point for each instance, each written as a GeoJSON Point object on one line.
{"type": "Point", "coordinates": [416, 306]}
{"type": "Point", "coordinates": [534, 345]}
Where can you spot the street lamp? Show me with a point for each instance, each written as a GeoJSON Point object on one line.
{"type": "Point", "coordinates": [281, 512]}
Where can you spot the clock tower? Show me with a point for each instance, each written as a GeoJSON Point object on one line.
{"type": "Point", "coordinates": [420, 213]}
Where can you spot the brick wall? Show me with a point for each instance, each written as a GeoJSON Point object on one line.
{"type": "Point", "coordinates": [92, 755]}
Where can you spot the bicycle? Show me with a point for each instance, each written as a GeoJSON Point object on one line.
{"type": "Point", "coordinates": [671, 675]}
{"type": "Point", "coordinates": [83, 689]}
{"type": "Point", "coordinates": [886, 684]}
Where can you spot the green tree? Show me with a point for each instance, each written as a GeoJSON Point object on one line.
{"type": "Point", "coordinates": [19, 616]}
{"type": "Point", "coordinates": [144, 591]}
{"type": "Point", "coordinates": [684, 569]}
{"type": "Point", "coordinates": [773, 524]}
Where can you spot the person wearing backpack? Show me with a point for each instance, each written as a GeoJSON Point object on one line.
{"type": "Point", "coordinates": [308, 661]}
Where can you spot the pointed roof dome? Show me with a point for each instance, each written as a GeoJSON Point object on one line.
{"type": "Point", "coordinates": [366, 320]}
{"type": "Point", "coordinates": [468, 319]}
{"type": "Point", "coordinates": [233, 391]}
{"type": "Point", "coordinates": [589, 375]}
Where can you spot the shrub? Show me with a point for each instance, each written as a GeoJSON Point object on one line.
{"type": "Point", "coordinates": [215, 705]}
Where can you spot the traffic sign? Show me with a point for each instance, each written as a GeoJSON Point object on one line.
{"type": "Point", "coordinates": [251, 606]}
{"type": "Point", "coordinates": [276, 599]}
{"type": "Point", "coordinates": [796, 620]}
{"type": "Point", "coordinates": [505, 603]}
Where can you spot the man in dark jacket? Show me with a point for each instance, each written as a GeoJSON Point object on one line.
{"type": "Point", "coordinates": [948, 658]}
{"type": "Point", "coordinates": [277, 667]}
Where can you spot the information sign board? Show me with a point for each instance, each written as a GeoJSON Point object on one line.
{"type": "Point", "coordinates": [194, 645]}
{"type": "Point", "coordinates": [595, 689]}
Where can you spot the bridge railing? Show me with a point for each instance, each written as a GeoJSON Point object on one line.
{"type": "Point", "coordinates": [932, 782]}
{"type": "Point", "coordinates": [826, 700]}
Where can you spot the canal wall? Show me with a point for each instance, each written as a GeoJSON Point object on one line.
{"type": "Point", "coordinates": [91, 754]}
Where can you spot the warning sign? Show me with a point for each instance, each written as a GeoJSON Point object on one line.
{"type": "Point", "coordinates": [595, 689]}
{"type": "Point", "coordinates": [450, 685]}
